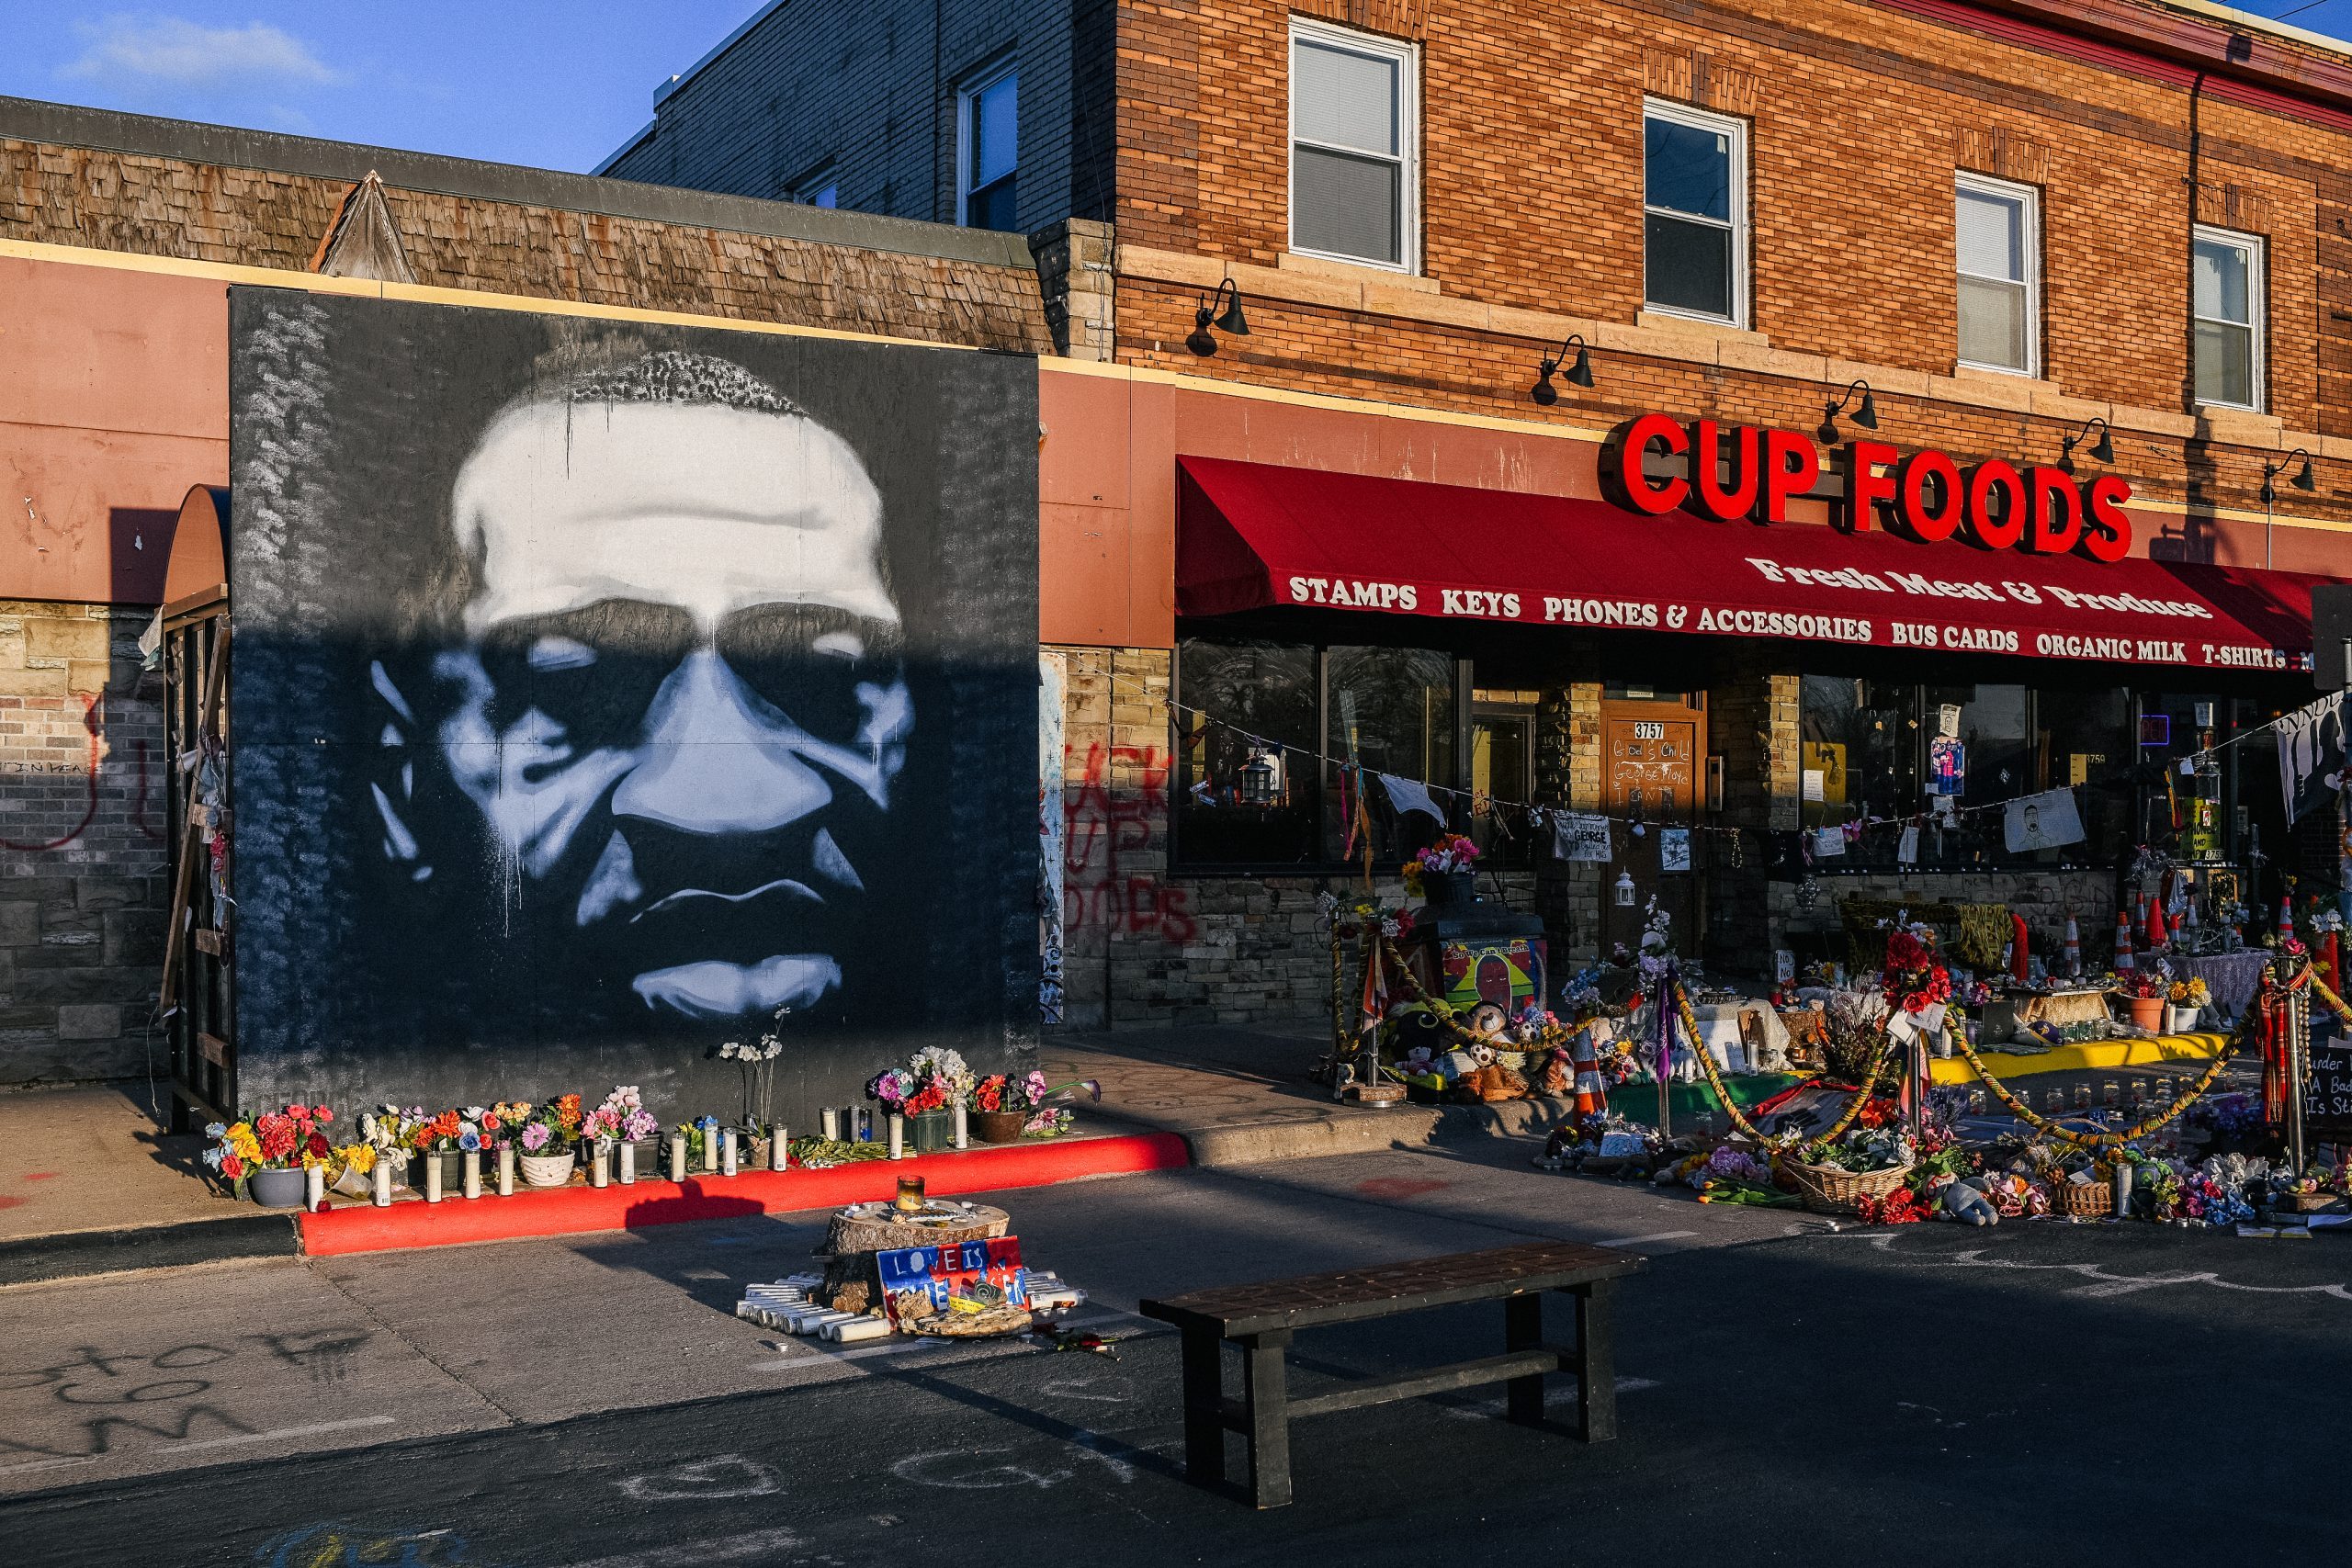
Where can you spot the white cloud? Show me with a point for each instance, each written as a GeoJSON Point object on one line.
{"type": "Point", "coordinates": [172, 50]}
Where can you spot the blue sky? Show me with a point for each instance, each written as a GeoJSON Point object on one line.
{"type": "Point", "coordinates": [557, 84]}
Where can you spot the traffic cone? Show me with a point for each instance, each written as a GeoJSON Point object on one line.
{"type": "Point", "coordinates": [2158, 937]}
{"type": "Point", "coordinates": [2286, 917]}
{"type": "Point", "coordinates": [2020, 958]}
{"type": "Point", "coordinates": [2074, 946]}
{"type": "Point", "coordinates": [1592, 1094]}
{"type": "Point", "coordinates": [2123, 939]}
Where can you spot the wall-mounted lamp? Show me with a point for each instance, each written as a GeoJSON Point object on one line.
{"type": "Point", "coordinates": [1866, 415]}
{"type": "Point", "coordinates": [2102, 450]}
{"type": "Point", "coordinates": [1579, 371]}
{"type": "Point", "coordinates": [2303, 480]}
{"type": "Point", "coordinates": [1221, 311]}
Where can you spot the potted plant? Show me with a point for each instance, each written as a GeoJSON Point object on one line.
{"type": "Point", "coordinates": [757, 1063]}
{"type": "Point", "coordinates": [550, 1135]}
{"type": "Point", "coordinates": [2186, 1005]}
{"type": "Point", "coordinates": [1445, 872]}
{"type": "Point", "coordinates": [434, 1139]}
{"type": "Point", "coordinates": [1003, 1106]}
{"type": "Point", "coordinates": [625, 1120]}
{"type": "Point", "coordinates": [925, 1092]}
{"type": "Point", "coordinates": [266, 1155]}
{"type": "Point", "coordinates": [2143, 992]}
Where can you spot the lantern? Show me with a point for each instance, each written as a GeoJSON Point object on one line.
{"type": "Point", "coordinates": [1625, 889]}
{"type": "Point", "coordinates": [1259, 781]}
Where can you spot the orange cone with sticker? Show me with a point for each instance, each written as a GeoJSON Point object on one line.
{"type": "Point", "coordinates": [2123, 939]}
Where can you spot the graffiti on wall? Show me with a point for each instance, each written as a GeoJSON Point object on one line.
{"type": "Point", "coordinates": [43, 771]}
{"type": "Point", "coordinates": [1109, 881]}
{"type": "Point", "coordinates": [676, 682]}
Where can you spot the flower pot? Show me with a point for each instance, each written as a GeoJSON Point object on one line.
{"type": "Point", "coordinates": [998, 1126]}
{"type": "Point", "coordinates": [2181, 1020]}
{"type": "Point", "coordinates": [1448, 889]}
{"type": "Point", "coordinates": [2147, 1013]}
{"type": "Point", "coordinates": [930, 1131]}
{"type": "Point", "coordinates": [545, 1171]}
{"type": "Point", "coordinates": [278, 1188]}
{"type": "Point", "coordinates": [450, 1173]}
{"type": "Point", "coordinates": [750, 1150]}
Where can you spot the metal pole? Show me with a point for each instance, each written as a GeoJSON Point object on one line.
{"type": "Point", "coordinates": [2298, 1036]}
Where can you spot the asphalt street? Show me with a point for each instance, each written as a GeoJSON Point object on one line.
{"type": "Point", "coordinates": [2034, 1392]}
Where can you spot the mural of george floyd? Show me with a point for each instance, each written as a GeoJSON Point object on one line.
{"type": "Point", "coordinates": [607, 691]}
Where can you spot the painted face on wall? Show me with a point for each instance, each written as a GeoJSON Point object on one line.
{"type": "Point", "coordinates": [681, 706]}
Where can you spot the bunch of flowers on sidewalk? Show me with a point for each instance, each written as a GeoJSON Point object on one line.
{"type": "Point", "coordinates": [1030, 1093]}
{"type": "Point", "coordinates": [291, 1139]}
{"type": "Point", "coordinates": [623, 1117]}
{"type": "Point", "coordinates": [552, 1127]}
{"type": "Point", "coordinates": [934, 1078]}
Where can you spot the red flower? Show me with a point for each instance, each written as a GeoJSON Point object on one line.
{"type": "Point", "coordinates": [318, 1147]}
{"type": "Point", "coordinates": [322, 1114]}
{"type": "Point", "coordinates": [276, 1134]}
{"type": "Point", "coordinates": [231, 1167]}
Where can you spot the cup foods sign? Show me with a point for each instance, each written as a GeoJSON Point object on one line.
{"type": "Point", "coordinates": [1925, 496]}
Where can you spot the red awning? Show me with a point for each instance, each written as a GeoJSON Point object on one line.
{"type": "Point", "coordinates": [1251, 535]}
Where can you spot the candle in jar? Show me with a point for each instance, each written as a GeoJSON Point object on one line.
{"type": "Point", "coordinates": [599, 1168]}
{"type": "Point", "coordinates": [828, 1124]}
{"type": "Point", "coordinates": [898, 1136]}
{"type": "Point", "coordinates": [629, 1164]}
{"type": "Point", "coordinates": [677, 1156]}
{"type": "Point", "coordinates": [779, 1150]}
{"type": "Point", "coordinates": [382, 1175]}
{"type": "Point", "coordinates": [727, 1155]}
{"type": "Point", "coordinates": [506, 1168]}
{"type": "Point", "coordinates": [472, 1172]}
{"type": "Point", "coordinates": [314, 1188]}
{"type": "Point", "coordinates": [960, 1142]}
{"type": "Point", "coordinates": [432, 1177]}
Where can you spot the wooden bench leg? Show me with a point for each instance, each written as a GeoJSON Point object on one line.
{"type": "Point", "coordinates": [1523, 1330]}
{"type": "Point", "coordinates": [1266, 1391]}
{"type": "Point", "coordinates": [1203, 1422]}
{"type": "Point", "coordinates": [1596, 1362]}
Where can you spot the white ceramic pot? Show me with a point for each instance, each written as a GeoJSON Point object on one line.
{"type": "Point", "coordinates": [2180, 1020]}
{"type": "Point", "coordinates": [545, 1171]}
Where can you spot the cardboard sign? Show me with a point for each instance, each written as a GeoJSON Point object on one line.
{"type": "Point", "coordinates": [941, 1273]}
{"type": "Point", "coordinates": [1674, 848]}
{"type": "Point", "coordinates": [1946, 766]}
{"type": "Point", "coordinates": [1581, 839]}
{"type": "Point", "coordinates": [2043, 821]}
{"type": "Point", "coordinates": [2328, 1095]}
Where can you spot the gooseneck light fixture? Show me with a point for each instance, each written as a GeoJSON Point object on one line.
{"type": "Point", "coordinates": [1579, 371]}
{"type": "Point", "coordinates": [1221, 311]}
{"type": "Point", "coordinates": [2102, 450]}
{"type": "Point", "coordinates": [1866, 415]}
{"type": "Point", "coordinates": [2303, 480]}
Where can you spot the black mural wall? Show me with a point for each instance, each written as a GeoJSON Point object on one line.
{"type": "Point", "coordinates": [603, 691]}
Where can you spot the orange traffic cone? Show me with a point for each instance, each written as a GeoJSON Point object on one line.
{"type": "Point", "coordinates": [2123, 939]}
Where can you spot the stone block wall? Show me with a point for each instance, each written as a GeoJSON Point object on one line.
{"type": "Point", "coordinates": [81, 841]}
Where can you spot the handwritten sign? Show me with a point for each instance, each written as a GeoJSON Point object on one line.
{"type": "Point", "coordinates": [2328, 1095]}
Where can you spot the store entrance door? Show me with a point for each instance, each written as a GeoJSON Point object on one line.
{"type": "Point", "coordinates": [1650, 771]}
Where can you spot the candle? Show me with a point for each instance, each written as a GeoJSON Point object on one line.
{"type": "Point", "coordinates": [598, 1166]}
{"type": "Point", "coordinates": [897, 1137]}
{"type": "Point", "coordinates": [382, 1175]}
{"type": "Point", "coordinates": [314, 1188]}
{"type": "Point", "coordinates": [677, 1156]}
{"type": "Point", "coordinates": [709, 1144]}
{"type": "Point", "coordinates": [629, 1164]}
{"type": "Point", "coordinates": [828, 1124]}
{"type": "Point", "coordinates": [432, 1177]}
{"type": "Point", "coordinates": [472, 1167]}
{"type": "Point", "coordinates": [506, 1168]}
{"type": "Point", "coordinates": [959, 1126]}
{"type": "Point", "coordinates": [779, 1150]}
{"type": "Point", "coordinates": [726, 1152]}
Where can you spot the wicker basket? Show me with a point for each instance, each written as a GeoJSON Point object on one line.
{"type": "Point", "coordinates": [2082, 1199]}
{"type": "Point", "coordinates": [1829, 1189]}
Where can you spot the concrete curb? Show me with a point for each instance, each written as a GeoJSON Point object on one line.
{"type": "Point", "coordinates": [66, 1254]}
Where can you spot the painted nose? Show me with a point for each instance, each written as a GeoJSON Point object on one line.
{"type": "Point", "coordinates": [716, 758]}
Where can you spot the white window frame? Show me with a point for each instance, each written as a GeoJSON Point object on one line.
{"type": "Point", "coordinates": [971, 87]}
{"type": "Point", "coordinates": [2257, 288]}
{"type": "Point", "coordinates": [2029, 203]}
{"type": "Point", "coordinates": [1407, 57]}
{"type": "Point", "coordinates": [1722, 125]}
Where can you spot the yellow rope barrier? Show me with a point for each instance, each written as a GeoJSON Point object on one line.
{"type": "Point", "coordinates": [1714, 1079]}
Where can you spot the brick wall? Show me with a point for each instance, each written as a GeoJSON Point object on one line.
{"type": "Point", "coordinates": [81, 841]}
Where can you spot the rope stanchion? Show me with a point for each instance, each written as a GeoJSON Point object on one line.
{"type": "Point", "coordinates": [1738, 1119]}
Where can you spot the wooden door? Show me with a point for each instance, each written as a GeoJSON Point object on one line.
{"type": "Point", "coordinates": [1652, 770]}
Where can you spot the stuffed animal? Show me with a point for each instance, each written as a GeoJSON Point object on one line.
{"type": "Point", "coordinates": [1967, 1202]}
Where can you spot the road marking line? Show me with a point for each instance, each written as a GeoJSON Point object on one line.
{"type": "Point", "coordinates": [46, 1464]}
{"type": "Point", "coordinates": [690, 1554]}
{"type": "Point", "coordinates": [356, 1421]}
{"type": "Point", "coordinates": [1638, 1240]}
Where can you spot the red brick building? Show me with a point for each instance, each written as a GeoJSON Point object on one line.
{"type": "Point", "coordinates": [2114, 231]}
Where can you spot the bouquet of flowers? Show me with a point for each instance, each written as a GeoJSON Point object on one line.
{"type": "Point", "coordinates": [2147, 985]}
{"type": "Point", "coordinates": [1912, 979]}
{"type": "Point", "coordinates": [934, 1078]}
{"type": "Point", "coordinates": [1862, 1148]}
{"type": "Point", "coordinates": [1450, 854]}
{"type": "Point", "coordinates": [757, 1061]}
{"type": "Point", "coordinates": [622, 1117]}
{"type": "Point", "coordinates": [2190, 993]}
{"type": "Point", "coordinates": [552, 1127]}
{"type": "Point", "coordinates": [1031, 1094]}
{"type": "Point", "coordinates": [290, 1139]}
{"type": "Point", "coordinates": [433, 1134]}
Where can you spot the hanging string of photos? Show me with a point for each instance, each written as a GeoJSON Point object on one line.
{"type": "Point", "coordinates": [1538, 817]}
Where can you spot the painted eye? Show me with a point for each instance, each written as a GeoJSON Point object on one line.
{"type": "Point", "coordinates": [560, 653]}
{"type": "Point", "coordinates": [842, 644]}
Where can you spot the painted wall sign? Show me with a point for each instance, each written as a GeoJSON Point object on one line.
{"type": "Point", "coordinates": [606, 690]}
{"type": "Point", "coordinates": [1924, 496]}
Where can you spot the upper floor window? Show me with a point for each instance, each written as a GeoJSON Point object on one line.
{"type": "Point", "coordinates": [1354, 146]}
{"type": "Point", "coordinates": [818, 189]}
{"type": "Point", "coordinates": [1996, 245]}
{"type": "Point", "coordinates": [2225, 296]}
{"type": "Point", "coordinates": [1694, 213]}
{"type": "Point", "coordinates": [988, 163]}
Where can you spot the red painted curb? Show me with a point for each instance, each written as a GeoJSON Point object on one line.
{"type": "Point", "coordinates": [571, 1211]}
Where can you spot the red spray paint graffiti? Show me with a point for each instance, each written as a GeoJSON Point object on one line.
{"type": "Point", "coordinates": [1107, 827]}
{"type": "Point", "coordinates": [94, 722]}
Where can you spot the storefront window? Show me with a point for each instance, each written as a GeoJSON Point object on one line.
{"type": "Point", "coordinates": [1388, 710]}
{"type": "Point", "coordinates": [1861, 752]}
{"type": "Point", "coordinates": [1242, 795]}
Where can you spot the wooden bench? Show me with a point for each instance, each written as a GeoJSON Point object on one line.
{"type": "Point", "coordinates": [1261, 1319]}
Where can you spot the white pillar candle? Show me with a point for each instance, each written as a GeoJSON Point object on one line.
{"type": "Point", "coordinates": [382, 1175]}
{"type": "Point", "coordinates": [709, 1146]}
{"type": "Point", "coordinates": [726, 1152]}
{"type": "Point", "coordinates": [506, 1168]}
{"type": "Point", "coordinates": [779, 1150]}
{"type": "Point", "coordinates": [597, 1163]}
{"type": "Point", "coordinates": [432, 1177]}
{"type": "Point", "coordinates": [677, 1156]}
{"type": "Point", "coordinates": [629, 1164]}
{"type": "Point", "coordinates": [314, 1188]}
{"type": "Point", "coordinates": [828, 1124]}
{"type": "Point", "coordinates": [897, 1137]}
{"type": "Point", "coordinates": [473, 1172]}
{"type": "Point", "coordinates": [959, 1126]}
